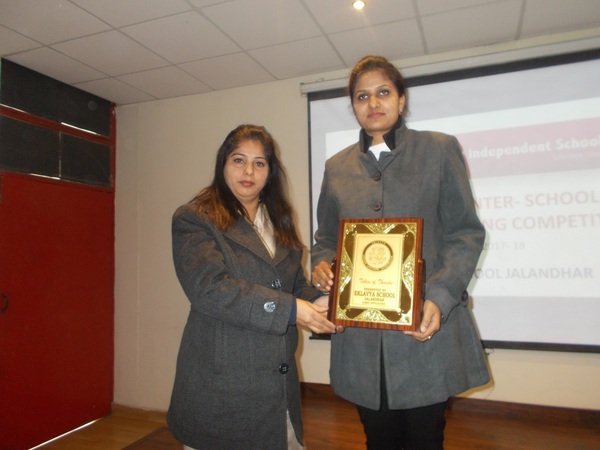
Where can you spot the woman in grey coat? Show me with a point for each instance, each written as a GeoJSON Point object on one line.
{"type": "Point", "coordinates": [238, 259]}
{"type": "Point", "coordinates": [401, 381]}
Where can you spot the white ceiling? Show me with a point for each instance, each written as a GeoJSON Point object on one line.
{"type": "Point", "coordinates": [130, 51]}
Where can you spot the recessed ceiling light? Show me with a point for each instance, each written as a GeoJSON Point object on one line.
{"type": "Point", "coordinates": [358, 4]}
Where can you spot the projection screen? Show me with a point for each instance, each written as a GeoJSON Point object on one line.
{"type": "Point", "coordinates": [530, 134]}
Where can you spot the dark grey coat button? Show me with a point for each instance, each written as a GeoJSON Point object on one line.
{"type": "Point", "coordinates": [377, 176]}
{"type": "Point", "coordinates": [270, 307]}
{"type": "Point", "coordinates": [284, 368]}
{"type": "Point", "coordinates": [377, 206]}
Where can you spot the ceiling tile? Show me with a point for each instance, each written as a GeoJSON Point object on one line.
{"type": "Point", "coordinates": [488, 24]}
{"type": "Point", "coordinates": [30, 18]}
{"type": "Point", "coordinates": [11, 41]}
{"type": "Point", "coordinates": [339, 15]}
{"type": "Point", "coordinates": [115, 91]}
{"type": "Point", "coordinates": [542, 16]}
{"type": "Point", "coordinates": [298, 58]}
{"type": "Point", "coordinates": [427, 7]}
{"type": "Point", "coordinates": [394, 41]}
{"type": "Point", "coordinates": [120, 13]}
{"type": "Point", "coordinates": [204, 3]}
{"type": "Point", "coordinates": [56, 65]}
{"type": "Point", "coordinates": [165, 82]}
{"type": "Point", "coordinates": [182, 38]}
{"type": "Point", "coordinates": [112, 53]}
{"type": "Point", "coordinates": [259, 23]}
{"type": "Point", "coordinates": [228, 71]}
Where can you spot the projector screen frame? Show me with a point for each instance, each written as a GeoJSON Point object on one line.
{"type": "Point", "coordinates": [462, 74]}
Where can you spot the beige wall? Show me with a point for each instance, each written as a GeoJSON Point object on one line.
{"type": "Point", "coordinates": [165, 154]}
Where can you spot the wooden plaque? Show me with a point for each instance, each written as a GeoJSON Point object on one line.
{"type": "Point", "coordinates": [378, 274]}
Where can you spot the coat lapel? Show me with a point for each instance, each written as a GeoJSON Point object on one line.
{"type": "Point", "coordinates": [244, 234]}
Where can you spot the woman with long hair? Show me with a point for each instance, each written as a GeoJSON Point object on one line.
{"type": "Point", "coordinates": [238, 258]}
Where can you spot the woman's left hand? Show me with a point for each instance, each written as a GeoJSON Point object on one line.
{"type": "Point", "coordinates": [431, 323]}
{"type": "Point", "coordinates": [313, 317]}
{"type": "Point", "coordinates": [323, 300]}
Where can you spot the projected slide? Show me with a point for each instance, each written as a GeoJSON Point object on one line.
{"type": "Point", "coordinates": [531, 140]}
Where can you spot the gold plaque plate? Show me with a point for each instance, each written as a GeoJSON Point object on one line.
{"type": "Point", "coordinates": [378, 270]}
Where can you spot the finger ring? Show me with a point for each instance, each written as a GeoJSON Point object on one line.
{"type": "Point", "coordinates": [429, 337]}
{"type": "Point", "coordinates": [318, 285]}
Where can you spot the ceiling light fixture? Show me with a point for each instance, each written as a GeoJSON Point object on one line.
{"type": "Point", "coordinates": [358, 4]}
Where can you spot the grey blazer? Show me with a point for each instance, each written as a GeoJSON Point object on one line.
{"type": "Point", "coordinates": [424, 176]}
{"type": "Point", "coordinates": [236, 371]}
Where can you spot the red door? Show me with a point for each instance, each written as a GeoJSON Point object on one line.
{"type": "Point", "coordinates": [56, 309]}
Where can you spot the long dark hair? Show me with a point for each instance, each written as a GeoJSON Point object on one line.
{"type": "Point", "coordinates": [223, 208]}
{"type": "Point", "coordinates": [369, 63]}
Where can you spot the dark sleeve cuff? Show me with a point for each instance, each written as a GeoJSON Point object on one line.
{"type": "Point", "coordinates": [292, 320]}
{"type": "Point", "coordinates": [318, 296]}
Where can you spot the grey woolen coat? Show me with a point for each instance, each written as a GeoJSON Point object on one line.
{"type": "Point", "coordinates": [236, 371]}
{"type": "Point", "coordinates": [423, 176]}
